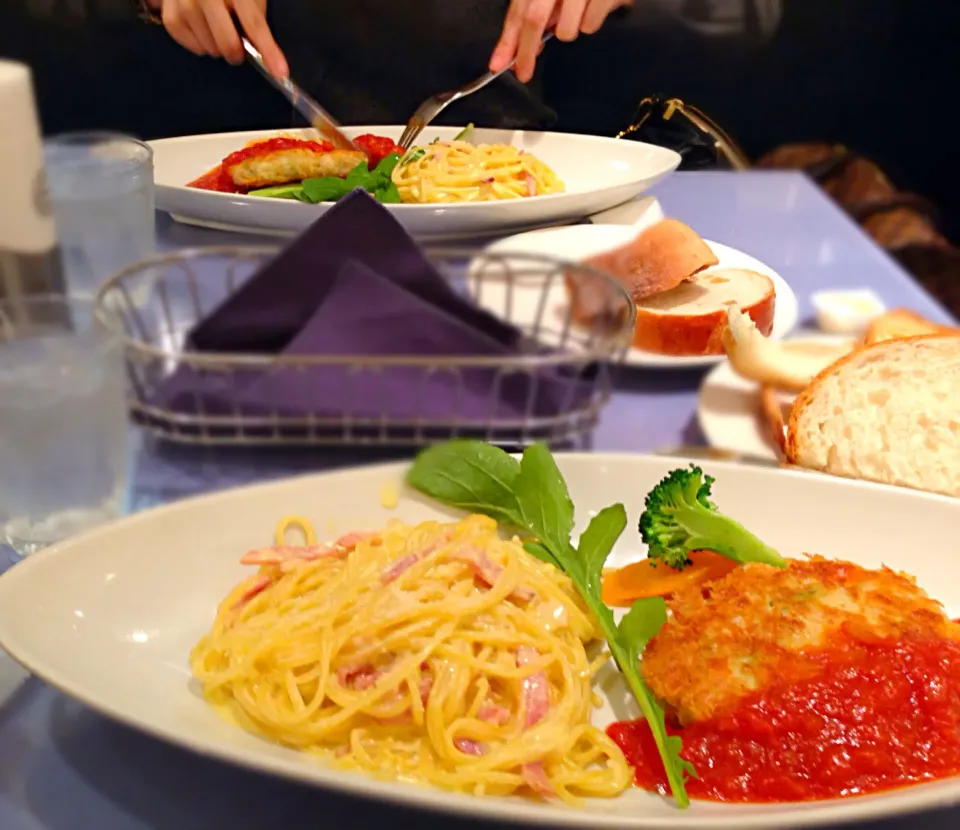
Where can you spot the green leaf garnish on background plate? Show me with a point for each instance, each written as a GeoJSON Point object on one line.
{"type": "Point", "coordinates": [377, 182]}
{"type": "Point", "coordinates": [531, 496]}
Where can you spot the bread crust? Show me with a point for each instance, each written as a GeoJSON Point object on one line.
{"type": "Point", "coordinates": [699, 334]}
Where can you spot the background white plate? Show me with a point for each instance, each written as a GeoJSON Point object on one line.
{"type": "Point", "coordinates": [578, 242]}
{"type": "Point", "coordinates": [109, 617]}
{"type": "Point", "coordinates": [728, 408]}
{"type": "Point", "coordinates": [599, 173]}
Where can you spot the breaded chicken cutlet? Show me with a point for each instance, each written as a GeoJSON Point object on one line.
{"type": "Point", "coordinates": [276, 161]}
{"type": "Point", "coordinates": [284, 160]}
{"type": "Point", "coordinates": [760, 624]}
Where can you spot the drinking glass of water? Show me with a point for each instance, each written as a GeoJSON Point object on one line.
{"type": "Point", "coordinates": [101, 189]}
{"type": "Point", "coordinates": [63, 419]}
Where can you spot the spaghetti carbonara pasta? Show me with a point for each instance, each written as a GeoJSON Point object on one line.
{"type": "Point", "coordinates": [457, 171]}
{"type": "Point", "coordinates": [434, 653]}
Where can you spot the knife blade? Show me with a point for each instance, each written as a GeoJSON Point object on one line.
{"type": "Point", "coordinates": [316, 116]}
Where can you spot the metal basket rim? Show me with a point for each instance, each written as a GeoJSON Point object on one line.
{"type": "Point", "coordinates": [228, 361]}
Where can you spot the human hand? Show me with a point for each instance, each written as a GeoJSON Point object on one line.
{"type": "Point", "coordinates": [528, 20]}
{"type": "Point", "coordinates": [206, 27]}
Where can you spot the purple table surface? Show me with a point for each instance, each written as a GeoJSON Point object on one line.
{"type": "Point", "coordinates": [63, 767]}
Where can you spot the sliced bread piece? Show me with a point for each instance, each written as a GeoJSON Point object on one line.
{"type": "Point", "coordinates": [889, 412]}
{"type": "Point", "coordinates": [658, 259]}
{"type": "Point", "coordinates": [900, 322]}
{"type": "Point", "coordinates": [689, 319]}
{"type": "Point", "coordinates": [789, 366]}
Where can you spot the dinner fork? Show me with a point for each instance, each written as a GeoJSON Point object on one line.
{"type": "Point", "coordinates": [436, 104]}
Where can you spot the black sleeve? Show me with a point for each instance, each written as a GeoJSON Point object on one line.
{"type": "Point", "coordinates": [63, 11]}
{"type": "Point", "coordinates": [754, 19]}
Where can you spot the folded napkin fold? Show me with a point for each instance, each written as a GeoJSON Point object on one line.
{"type": "Point", "coordinates": [272, 308]}
{"type": "Point", "coordinates": [355, 284]}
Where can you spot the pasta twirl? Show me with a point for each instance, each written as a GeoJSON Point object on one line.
{"type": "Point", "coordinates": [457, 171]}
{"type": "Point", "coordinates": [434, 653]}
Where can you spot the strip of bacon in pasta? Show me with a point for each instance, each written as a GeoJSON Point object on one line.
{"type": "Point", "coordinates": [531, 183]}
{"type": "Point", "coordinates": [393, 571]}
{"type": "Point", "coordinates": [426, 686]}
{"type": "Point", "coordinates": [350, 540]}
{"type": "Point", "coordinates": [469, 747]}
{"type": "Point", "coordinates": [488, 571]}
{"type": "Point", "coordinates": [359, 677]}
{"type": "Point", "coordinates": [281, 554]}
{"type": "Point", "coordinates": [259, 584]}
{"type": "Point", "coordinates": [536, 691]}
{"type": "Point", "coordinates": [493, 713]}
{"type": "Point", "coordinates": [536, 778]}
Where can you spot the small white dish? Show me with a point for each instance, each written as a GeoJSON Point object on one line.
{"type": "Point", "coordinates": [110, 617]}
{"type": "Point", "coordinates": [578, 242]}
{"type": "Point", "coordinates": [599, 173]}
{"type": "Point", "coordinates": [728, 408]}
{"type": "Point", "coordinates": [846, 311]}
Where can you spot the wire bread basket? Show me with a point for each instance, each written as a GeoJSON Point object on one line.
{"type": "Point", "coordinates": [549, 387]}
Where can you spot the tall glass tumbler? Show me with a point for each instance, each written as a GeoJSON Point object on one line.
{"type": "Point", "coordinates": [63, 419]}
{"type": "Point", "coordinates": [101, 189]}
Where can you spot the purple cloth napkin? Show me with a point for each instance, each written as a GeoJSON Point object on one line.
{"type": "Point", "coordinates": [355, 284]}
{"type": "Point", "coordinates": [271, 308]}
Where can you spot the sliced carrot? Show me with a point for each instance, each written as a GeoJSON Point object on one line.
{"type": "Point", "coordinates": [642, 579]}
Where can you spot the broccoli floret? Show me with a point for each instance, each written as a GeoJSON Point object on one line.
{"type": "Point", "coordinates": [679, 518]}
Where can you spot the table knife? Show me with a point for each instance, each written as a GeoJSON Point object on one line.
{"type": "Point", "coordinates": [316, 115]}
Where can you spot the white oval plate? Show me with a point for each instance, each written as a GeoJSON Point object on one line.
{"type": "Point", "coordinates": [599, 173]}
{"type": "Point", "coordinates": [728, 408]}
{"type": "Point", "coordinates": [109, 617]}
{"type": "Point", "coordinates": [578, 242]}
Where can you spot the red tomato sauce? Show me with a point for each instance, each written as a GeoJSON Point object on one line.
{"type": "Point", "coordinates": [274, 145]}
{"type": "Point", "coordinates": [217, 179]}
{"type": "Point", "coordinates": [876, 717]}
{"type": "Point", "coordinates": [377, 147]}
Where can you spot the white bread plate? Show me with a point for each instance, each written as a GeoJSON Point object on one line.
{"type": "Point", "coordinates": [728, 406]}
{"type": "Point", "coordinates": [579, 242]}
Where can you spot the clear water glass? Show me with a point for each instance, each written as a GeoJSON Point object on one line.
{"type": "Point", "coordinates": [63, 419]}
{"type": "Point", "coordinates": [101, 189]}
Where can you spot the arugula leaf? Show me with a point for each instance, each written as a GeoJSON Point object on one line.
{"type": "Point", "coordinates": [386, 165]}
{"type": "Point", "coordinates": [466, 134]}
{"type": "Point", "coordinates": [641, 623]}
{"type": "Point", "coordinates": [597, 541]}
{"type": "Point", "coordinates": [377, 182]}
{"type": "Point", "coordinates": [360, 177]}
{"type": "Point", "coordinates": [538, 550]}
{"type": "Point", "coordinates": [533, 496]}
{"type": "Point", "coordinates": [544, 502]}
{"type": "Point", "coordinates": [327, 189]}
{"type": "Point", "coordinates": [279, 191]}
{"type": "Point", "coordinates": [470, 475]}
{"type": "Point", "coordinates": [413, 154]}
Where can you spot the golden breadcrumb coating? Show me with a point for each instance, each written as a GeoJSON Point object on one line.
{"type": "Point", "coordinates": [759, 624]}
{"type": "Point", "coordinates": [292, 165]}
